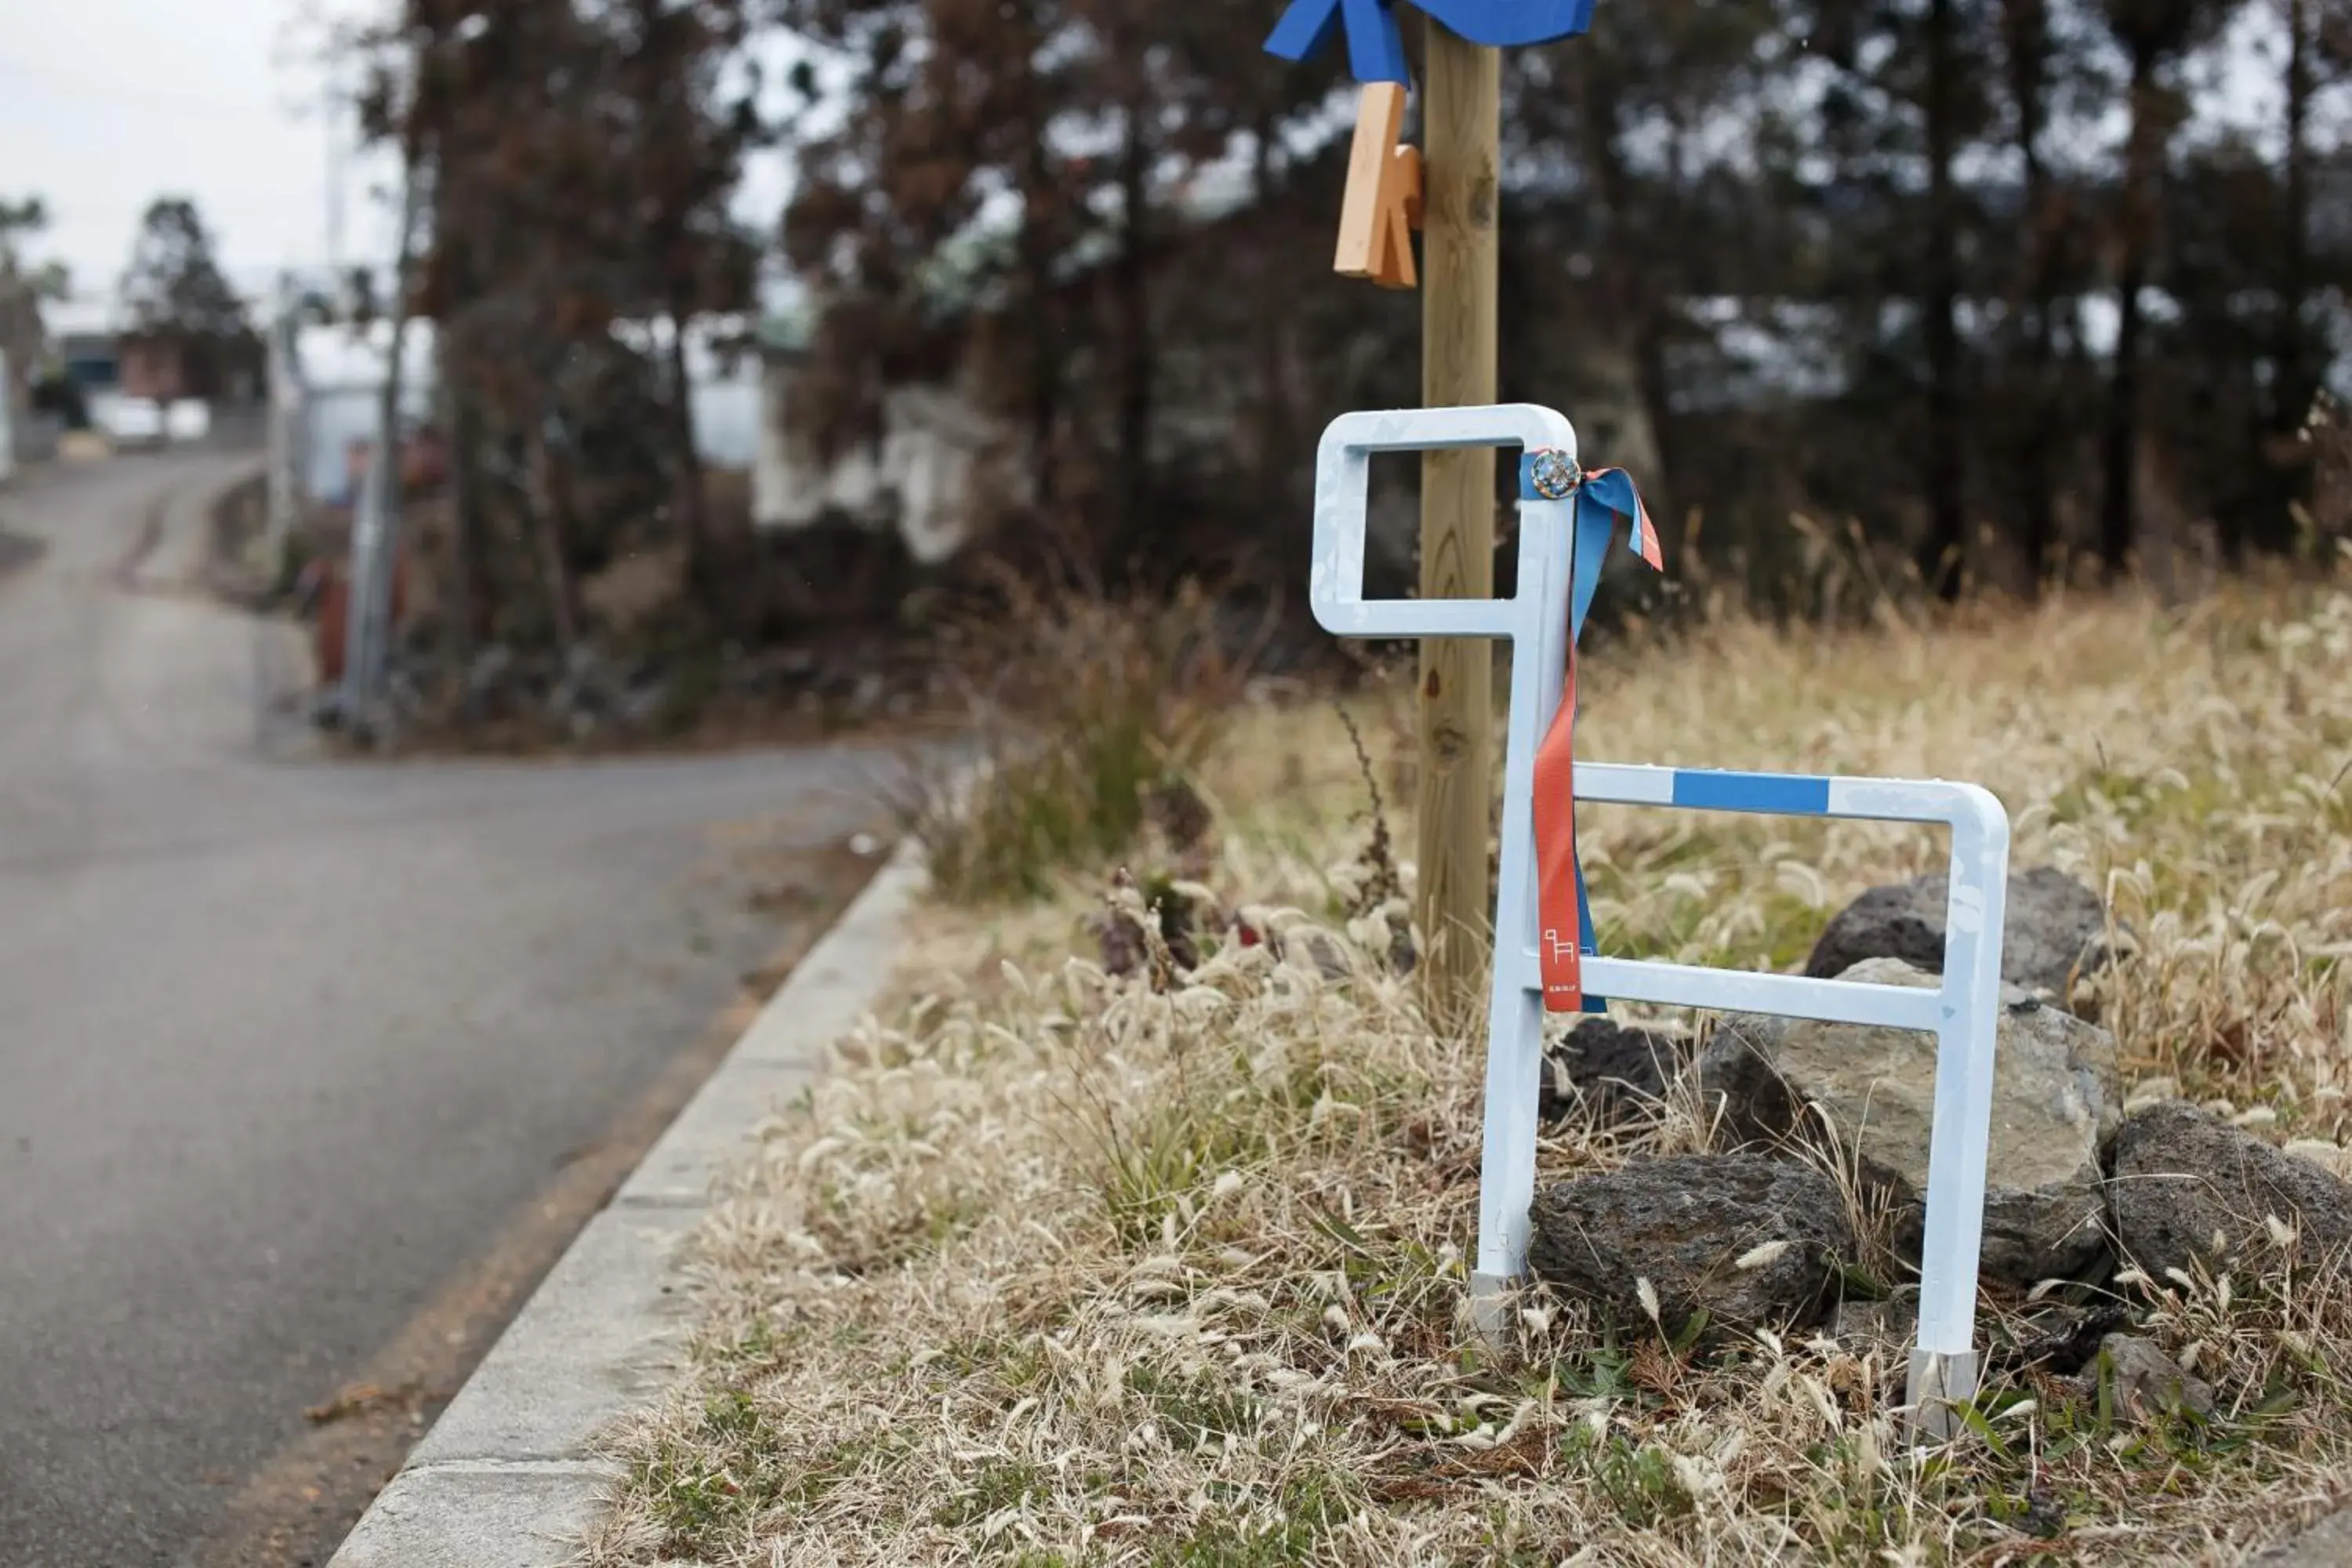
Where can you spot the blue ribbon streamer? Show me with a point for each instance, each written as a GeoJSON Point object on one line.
{"type": "Point", "coordinates": [1375, 52]}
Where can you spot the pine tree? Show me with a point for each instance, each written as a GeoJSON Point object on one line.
{"type": "Point", "coordinates": [177, 298]}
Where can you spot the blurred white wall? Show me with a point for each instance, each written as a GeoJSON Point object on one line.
{"type": "Point", "coordinates": [919, 480]}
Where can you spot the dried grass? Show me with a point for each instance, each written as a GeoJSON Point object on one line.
{"type": "Point", "coordinates": [1058, 1268]}
{"type": "Point", "coordinates": [1090, 712]}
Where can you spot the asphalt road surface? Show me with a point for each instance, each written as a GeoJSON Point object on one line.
{"type": "Point", "coordinates": [285, 1042]}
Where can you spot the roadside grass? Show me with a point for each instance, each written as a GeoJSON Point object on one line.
{"type": "Point", "coordinates": [1096, 719]}
{"type": "Point", "coordinates": [1062, 1266]}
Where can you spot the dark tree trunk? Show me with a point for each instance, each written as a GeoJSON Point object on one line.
{"type": "Point", "coordinates": [1941, 553]}
{"type": "Point", "coordinates": [1133, 287]}
{"type": "Point", "coordinates": [1045, 352]}
{"type": "Point", "coordinates": [2118, 509]}
{"type": "Point", "coordinates": [549, 506]}
{"type": "Point", "coordinates": [1597, 93]}
{"type": "Point", "coordinates": [2296, 369]}
{"type": "Point", "coordinates": [2035, 410]}
{"type": "Point", "coordinates": [1650, 369]}
{"type": "Point", "coordinates": [471, 592]}
{"type": "Point", "coordinates": [1272, 453]}
{"type": "Point", "coordinates": [468, 584]}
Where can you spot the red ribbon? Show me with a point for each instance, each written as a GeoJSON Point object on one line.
{"type": "Point", "coordinates": [1562, 942]}
{"type": "Point", "coordinates": [1563, 928]}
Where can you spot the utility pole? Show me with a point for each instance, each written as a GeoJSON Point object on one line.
{"type": "Point", "coordinates": [330, 115]}
{"type": "Point", "coordinates": [376, 532]}
{"type": "Point", "coordinates": [1461, 128]}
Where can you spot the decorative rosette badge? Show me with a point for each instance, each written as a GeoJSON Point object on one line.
{"type": "Point", "coordinates": [1553, 474]}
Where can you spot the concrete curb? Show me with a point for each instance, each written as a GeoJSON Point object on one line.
{"type": "Point", "coordinates": [2326, 1544]}
{"type": "Point", "coordinates": [510, 1476]}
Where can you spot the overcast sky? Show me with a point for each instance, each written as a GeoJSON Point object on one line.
{"type": "Point", "coordinates": [106, 104]}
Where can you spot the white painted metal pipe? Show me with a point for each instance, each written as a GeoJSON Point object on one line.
{"type": "Point", "coordinates": [1962, 1012]}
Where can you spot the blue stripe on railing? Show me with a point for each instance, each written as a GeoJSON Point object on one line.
{"type": "Point", "coordinates": [1786, 794]}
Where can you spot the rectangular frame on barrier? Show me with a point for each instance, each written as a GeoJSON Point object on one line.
{"type": "Point", "coordinates": [1962, 1012]}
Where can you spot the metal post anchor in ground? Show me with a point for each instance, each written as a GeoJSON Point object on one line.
{"type": "Point", "coordinates": [1962, 1011]}
{"type": "Point", "coordinates": [367, 602]}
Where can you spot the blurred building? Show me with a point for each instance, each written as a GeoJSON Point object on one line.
{"type": "Point", "coordinates": [339, 370]}
{"type": "Point", "coordinates": [89, 358]}
{"type": "Point", "coordinates": [155, 369]}
{"type": "Point", "coordinates": [918, 480]}
{"type": "Point", "coordinates": [133, 390]}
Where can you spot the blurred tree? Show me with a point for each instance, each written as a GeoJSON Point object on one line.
{"type": "Point", "coordinates": [2318, 57]}
{"type": "Point", "coordinates": [179, 301]}
{"type": "Point", "coordinates": [1851, 259]}
{"type": "Point", "coordinates": [1033, 162]}
{"type": "Point", "coordinates": [2029, 59]}
{"type": "Point", "coordinates": [2156, 36]}
{"type": "Point", "coordinates": [576, 167]}
{"type": "Point", "coordinates": [20, 221]}
{"type": "Point", "coordinates": [1953, 115]}
{"type": "Point", "coordinates": [1907, 104]}
{"type": "Point", "coordinates": [677, 146]}
{"type": "Point", "coordinates": [23, 341]}
{"type": "Point", "coordinates": [1626, 173]}
{"type": "Point", "coordinates": [946, 140]}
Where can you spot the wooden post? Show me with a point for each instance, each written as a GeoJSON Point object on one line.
{"type": "Point", "coordinates": [1461, 123]}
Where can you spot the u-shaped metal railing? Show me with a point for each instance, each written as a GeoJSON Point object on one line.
{"type": "Point", "coordinates": [1962, 1011]}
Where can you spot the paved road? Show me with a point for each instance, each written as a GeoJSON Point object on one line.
{"type": "Point", "coordinates": [284, 1043]}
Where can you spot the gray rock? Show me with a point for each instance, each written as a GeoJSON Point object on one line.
{"type": "Point", "coordinates": [645, 702]}
{"type": "Point", "coordinates": [2055, 929]}
{"type": "Point", "coordinates": [587, 691]}
{"type": "Point", "coordinates": [583, 662]}
{"type": "Point", "coordinates": [2186, 1186]}
{"type": "Point", "coordinates": [768, 673]}
{"type": "Point", "coordinates": [2060, 1337]}
{"type": "Point", "coordinates": [491, 673]}
{"type": "Point", "coordinates": [1884, 1328]}
{"type": "Point", "coordinates": [1613, 1069]}
{"type": "Point", "coordinates": [1702, 1229]}
{"type": "Point", "coordinates": [2145, 1381]}
{"type": "Point", "coordinates": [2056, 1096]}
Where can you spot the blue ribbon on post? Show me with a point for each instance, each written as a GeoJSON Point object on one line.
{"type": "Point", "coordinates": [1376, 53]}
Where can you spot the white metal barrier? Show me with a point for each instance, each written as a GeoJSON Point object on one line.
{"type": "Point", "coordinates": [1962, 1011]}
